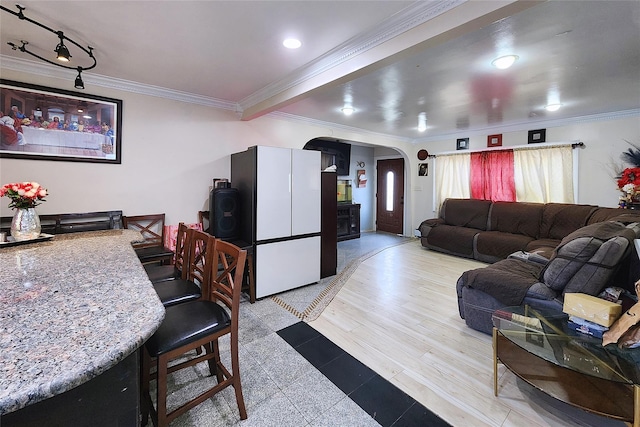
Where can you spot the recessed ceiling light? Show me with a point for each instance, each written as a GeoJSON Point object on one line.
{"type": "Point", "coordinates": [553, 107]}
{"type": "Point", "coordinates": [292, 43]}
{"type": "Point", "coordinates": [504, 62]}
{"type": "Point", "coordinates": [348, 111]}
{"type": "Point", "coordinates": [422, 122]}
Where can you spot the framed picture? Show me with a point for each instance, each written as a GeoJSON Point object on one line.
{"type": "Point", "coordinates": [538, 135]}
{"type": "Point", "coordinates": [494, 140]}
{"type": "Point", "coordinates": [361, 178]}
{"type": "Point", "coordinates": [462, 144]}
{"type": "Point", "coordinates": [43, 123]}
{"type": "Point", "coordinates": [423, 169]}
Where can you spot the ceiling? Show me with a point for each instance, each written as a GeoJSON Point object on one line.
{"type": "Point", "coordinates": [391, 60]}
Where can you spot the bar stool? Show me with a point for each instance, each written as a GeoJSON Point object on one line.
{"type": "Point", "coordinates": [151, 248]}
{"type": "Point", "coordinates": [189, 287]}
{"type": "Point", "coordinates": [196, 324]}
{"type": "Point", "coordinates": [248, 284]}
{"type": "Point", "coordinates": [162, 273]}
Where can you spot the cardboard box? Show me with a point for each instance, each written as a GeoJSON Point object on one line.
{"type": "Point", "coordinates": [586, 327]}
{"type": "Point", "coordinates": [591, 308]}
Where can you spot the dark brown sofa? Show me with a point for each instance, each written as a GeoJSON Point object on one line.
{"type": "Point", "coordinates": [490, 231]}
{"type": "Point", "coordinates": [538, 252]}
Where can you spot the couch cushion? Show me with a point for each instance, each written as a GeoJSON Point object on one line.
{"type": "Point", "coordinates": [507, 280]}
{"type": "Point", "coordinates": [451, 239]}
{"type": "Point", "coordinates": [466, 212]}
{"type": "Point", "coordinates": [561, 219]}
{"type": "Point", "coordinates": [491, 246]}
{"type": "Point", "coordinates": [517, 218]}
{"type": "Point", "coordinates": [543, 246]}
{"type": "Point", "coordinates": [587, 259]}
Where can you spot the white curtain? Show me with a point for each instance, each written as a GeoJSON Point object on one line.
{"type": "Point", "coordinates": [452, 177]}
{"type": "Point", "coordinates": [544, 175]}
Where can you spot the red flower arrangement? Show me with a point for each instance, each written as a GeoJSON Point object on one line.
{"type": "Point", "coordinates": [629, 176]}
{"type": "Point", "coordinates": [24, 195]}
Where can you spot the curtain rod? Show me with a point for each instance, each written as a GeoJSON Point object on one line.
{"type": "Point", "coordinates": [575, 144]}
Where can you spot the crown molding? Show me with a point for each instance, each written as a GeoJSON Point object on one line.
{"type": "Point", "coordinates": [528, 125]}
{"type": "Point", "coordinates": [416, 14]}
{"type": "Point", "coordinates": [45, 70]}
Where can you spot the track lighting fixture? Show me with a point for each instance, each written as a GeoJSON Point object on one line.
{"type": "Point", "coordinates": [79, 83]}
{"type": "Point", "coordinates": [62, 52]}
{"type": "Point", "coordinates": [61, 49]}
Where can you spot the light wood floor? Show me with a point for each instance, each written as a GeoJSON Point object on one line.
{"type": "Point", "coordinates": [398, 314]}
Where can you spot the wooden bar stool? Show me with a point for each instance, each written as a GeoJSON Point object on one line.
{"type": "Point", "coordinates": [189, 286]}
{"type": "Point", "coordinates": [151, 248]}
{"type": "Point", "coordinates": [248, 283]}
{"type": "Point", "coordinates": [189, 326]}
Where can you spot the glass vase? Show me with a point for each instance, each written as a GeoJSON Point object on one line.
{"type": "Point", "coordinates": [25, 224]}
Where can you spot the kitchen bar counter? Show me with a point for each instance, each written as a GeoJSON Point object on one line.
{"type": "Point", "coordinates": [70, 309]}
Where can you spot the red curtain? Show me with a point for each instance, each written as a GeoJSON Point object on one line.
{"type": "Point", "coordinates": [492, 176]}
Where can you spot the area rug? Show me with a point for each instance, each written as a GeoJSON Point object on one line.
{"type": "Point", "coordinates": [307, 303]}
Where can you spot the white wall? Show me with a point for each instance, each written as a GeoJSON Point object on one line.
{"type": "Point", "coordinates": [171, 151]}
{"type": "Point", "coordinates": [604, 143]}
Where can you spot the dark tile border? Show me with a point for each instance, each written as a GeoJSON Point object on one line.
{"type": "Point", "coordinates": [386, 404]}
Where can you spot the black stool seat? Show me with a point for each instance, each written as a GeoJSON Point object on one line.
{"type": "Point", "coordinates": [187, 323]}
{"type": "Point", "coordinates": [162, 273]}
{"type": "Point", "coordinates": [154, 254]}
{"type": "Point", "coordinates": [172, 292]}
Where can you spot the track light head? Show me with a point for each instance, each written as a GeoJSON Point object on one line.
{"type": "Point", "coordinates": [63, 53]}
{"type": "Point", "coordinates": [79, 84]}
{"type": "Point", "coordinates": [61, 50]}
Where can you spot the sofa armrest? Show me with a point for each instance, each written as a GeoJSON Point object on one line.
{"type": "Point", "coordinates": [426, 225]}
{"type": "Point", "coordinates": [530, 257]}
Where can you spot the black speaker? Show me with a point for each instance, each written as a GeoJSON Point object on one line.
{"type": "Point", "coordinates": [224, 213]}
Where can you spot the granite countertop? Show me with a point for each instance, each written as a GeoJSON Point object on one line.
{"type": "Point", "coordinates": [70, 309]}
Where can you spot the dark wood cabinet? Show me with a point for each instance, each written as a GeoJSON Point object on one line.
{"type": "Point", "coordinates": [348, 221]}
{"type": "Point", "coordinates": [328, 225]}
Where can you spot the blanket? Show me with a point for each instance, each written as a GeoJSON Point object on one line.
{"type": "Point", "coordinates": [507, 280]}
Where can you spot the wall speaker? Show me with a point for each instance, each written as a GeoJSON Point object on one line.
{"type": "Point", "coordinates": [224, 213]}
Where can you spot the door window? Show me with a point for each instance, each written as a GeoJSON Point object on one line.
{"type": "Point", "coordinates": [389, 202]}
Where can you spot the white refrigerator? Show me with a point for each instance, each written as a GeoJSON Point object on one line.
{"type": "Point", "coordinates": [279, 192]}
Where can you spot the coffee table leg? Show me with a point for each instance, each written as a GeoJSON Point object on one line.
{"type": "Point", "coordinates": [636, 405]}
{"type": "Point", "coordinates": [495, 364]}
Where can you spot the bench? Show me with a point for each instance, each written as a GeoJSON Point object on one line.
{"type": "Point", "coordinates": [73, 222]}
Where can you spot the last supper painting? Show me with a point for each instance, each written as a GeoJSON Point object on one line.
{"type": "Point", "coordinates": [43, 123]}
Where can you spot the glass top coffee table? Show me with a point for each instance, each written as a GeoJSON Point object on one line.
{"type": "Point", "coordinates": [539, 347]}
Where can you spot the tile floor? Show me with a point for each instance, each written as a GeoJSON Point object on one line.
{"type": "Point", "coordinates": [293, 376]}
{"type": "Point", "coordinates": [379, 398]}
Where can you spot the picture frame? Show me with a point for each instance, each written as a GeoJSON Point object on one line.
{"type": "Point", "coordinates": [423, 169]}
{"type": "Point", "coordinates": [361, 178]}
{"type": "Point", "coordinates": [44, 123]}
{"type": "Point", "coordinates": [537, 136]}
{"type": "Point", "coordinates": [494, 140]}
{"type": "Point", "coordinates": [462, 144]}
